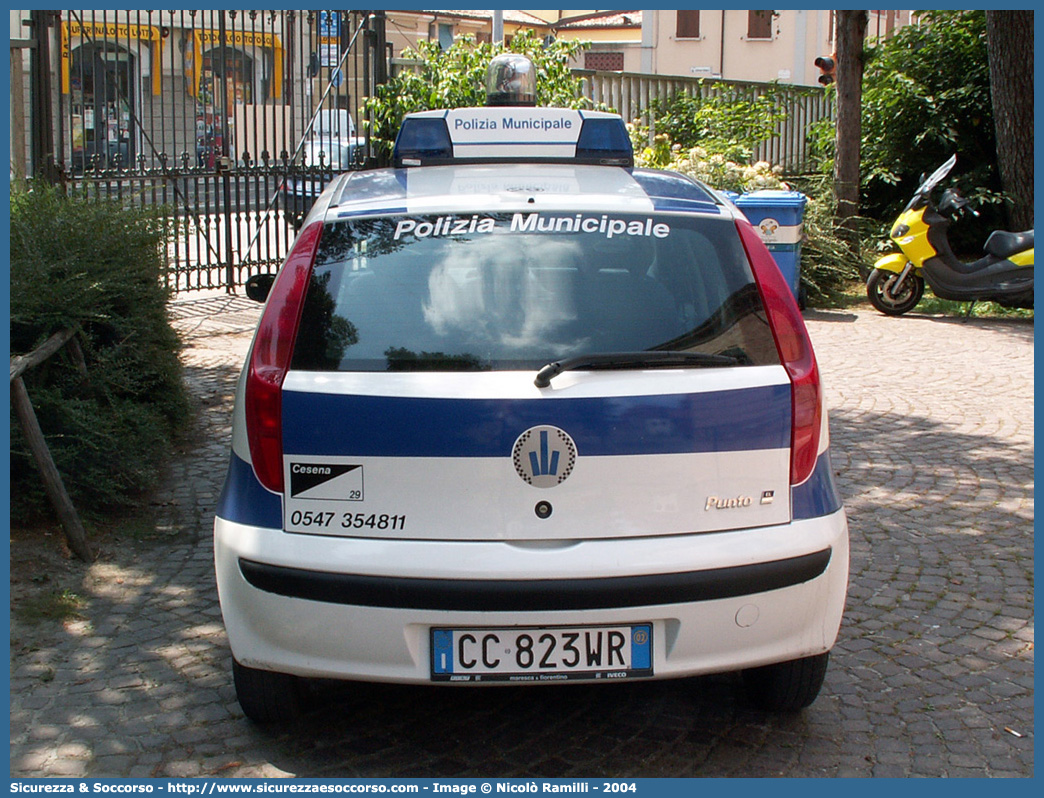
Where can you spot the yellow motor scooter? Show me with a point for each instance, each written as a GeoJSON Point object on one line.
{"type": "Point", "coordinates": [1003, 275]}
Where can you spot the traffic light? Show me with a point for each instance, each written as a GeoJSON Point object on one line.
{"type": "Point", "coordinates": [827, 65]}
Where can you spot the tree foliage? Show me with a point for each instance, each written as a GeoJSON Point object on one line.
{"type": "Point", "coordinates": [926, 96]}
{"type": "Point", "coordinates": [456, 78]}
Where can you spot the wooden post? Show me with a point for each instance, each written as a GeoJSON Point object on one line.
{"type": "Point", "coordinates": [22, 363]}
{"type": "Point", "coordinates": [74, 532]}
{"type": "Point", "coordinates": [53, 485]}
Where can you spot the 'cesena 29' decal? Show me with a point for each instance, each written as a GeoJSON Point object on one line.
{"type": "Point", "coordinates": [336, 481]}
{"type": "Point", "coordinates": [544, 456]}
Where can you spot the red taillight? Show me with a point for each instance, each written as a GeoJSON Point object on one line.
{"type": "Point", "coordinates": [795, 350]}
{"type": "Point", "coordinates": [270, 359]}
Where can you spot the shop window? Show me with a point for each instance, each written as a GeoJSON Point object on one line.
{"type": "Point", "coordinates": [230, 72]}
{"type": "Point", "coordinates": [688, 25]}
{"type": "Point", "coordinates": [102, 83]}
{"type": "Point", "coordinates": [225, 81]}
{"type": "Point", "coordinates": [759, 24]}
{"type": "Point", "coordinates": [604, 62]}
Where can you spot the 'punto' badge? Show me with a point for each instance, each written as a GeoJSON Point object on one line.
{"type": "Point", "coordinates": [544, 456]}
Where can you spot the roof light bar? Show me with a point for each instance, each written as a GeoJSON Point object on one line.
{"type": "Point", "coordinates": [423, 141]}
{"type": "Point", "coordinates": [508, 134]}
{"type": "Point", "coordinates": [604, 141]}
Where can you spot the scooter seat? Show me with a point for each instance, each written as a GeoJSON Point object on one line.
{"type": "Point", "coordinates": [1002, 244]}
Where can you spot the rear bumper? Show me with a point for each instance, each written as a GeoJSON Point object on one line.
{"type": "Point", "coordinates": [529, 595]}
{"type": "Point", "coordinates": [717, 602]}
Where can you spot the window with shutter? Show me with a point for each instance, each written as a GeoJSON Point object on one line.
{"type": "Point", "coordinates": [759, 24]}
{"type": "Point", "coordinates": [688, 26]}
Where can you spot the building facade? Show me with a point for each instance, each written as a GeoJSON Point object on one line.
{"type": "Point", "coordinates": [135, 89]}
{"type": "Point", "coordinates": [745, 45]}
{"type": "Point", "coordinates": [758, 46]}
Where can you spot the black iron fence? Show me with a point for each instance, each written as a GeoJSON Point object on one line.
{"type": "Point", "coordinates": [231, 119]}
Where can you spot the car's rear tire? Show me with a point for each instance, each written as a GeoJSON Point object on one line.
{"type": "Point", "coordinates": [786, 686]}
{"type": "Point", "coordinates": [265, 696]}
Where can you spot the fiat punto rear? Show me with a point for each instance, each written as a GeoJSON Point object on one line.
{"type": "Point", "coordinates": [528, 418]}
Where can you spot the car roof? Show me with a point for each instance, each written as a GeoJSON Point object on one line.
{"type": "Point", "coordinates": [520, 187]}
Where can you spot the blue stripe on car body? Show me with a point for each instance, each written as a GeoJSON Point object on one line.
{"type": "Point", "coordinates": [673, 192]}
{"type": "Point", "coordinates": [817, 496]}
{"type": "Point", "coordinates": [331, 424]}
{"type": "Point", "coordinates": [370, 212]}
{"type": "Point", "coordinates": [669, 204]}
{"type": "Point", "coordinates": [244, 500]}
{"type": "Point", "coordinates": [381, 185]}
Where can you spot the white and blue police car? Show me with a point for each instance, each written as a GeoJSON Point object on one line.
{"type": "Point", "coordinates": [518, 412]}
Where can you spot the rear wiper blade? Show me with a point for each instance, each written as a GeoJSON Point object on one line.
{"type": "Point", "coordinates": [623, 360]}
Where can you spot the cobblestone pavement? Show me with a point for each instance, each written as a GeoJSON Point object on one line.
{"type": "Point", "coordinates": [932, 425]}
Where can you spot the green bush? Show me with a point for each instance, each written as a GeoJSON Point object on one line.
{"type": "Point", "coordinates": [829, 269]}
{"type": "Point", "coordinates": [711, 168]}
{"type": "Point", "coordinates": [456, 78]}
{"type": "Point", "coordinates": [725, 122]}
{"type": "Point", "coordinates": [98, 267]}
{"type": "Point", "coordinates": [710, 138]}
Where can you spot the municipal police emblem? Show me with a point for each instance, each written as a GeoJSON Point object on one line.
{"type": "Point", "coordinates": [544, 456]}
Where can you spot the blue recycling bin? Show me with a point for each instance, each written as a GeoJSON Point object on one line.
{"type": "Point", "coordinates": [777, 216]}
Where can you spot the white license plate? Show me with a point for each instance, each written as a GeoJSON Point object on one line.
{"type": "Point", "coordinates": [521, 654]}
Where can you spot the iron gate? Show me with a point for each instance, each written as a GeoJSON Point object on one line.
{"type": "Point", "coordinates": [230, 119]}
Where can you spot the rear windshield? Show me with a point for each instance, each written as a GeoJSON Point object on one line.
{"type": "Point", "coordinates": [476, 292]}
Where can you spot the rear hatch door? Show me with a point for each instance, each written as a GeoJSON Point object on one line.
{"type": "Point", "coordinates": [411, 411]}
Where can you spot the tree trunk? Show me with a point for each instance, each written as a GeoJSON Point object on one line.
{"type": "Point", "coordinates": [851, 30]}
{"type": "Point", "coordinates": [1009, 41]}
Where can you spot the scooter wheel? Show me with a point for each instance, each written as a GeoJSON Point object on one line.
{"type": "Point", "coordinates": [892, 299]}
